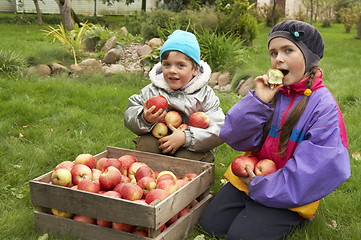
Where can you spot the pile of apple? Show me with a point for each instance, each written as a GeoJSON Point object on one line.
{"type": "Point", "coordinates": [197, 119]}
{"type": "Point", "coordinates": [125, 177]}
{"type": "Point", "coordinates": [259, 167]}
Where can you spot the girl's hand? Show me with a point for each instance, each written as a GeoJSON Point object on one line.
{"type": "Point", "coordinates": [150, 117]}
{"type": "Point", "coordinates": [250, 176]}
{"type": "Point", "coordinates": [171, 143]}
{"type": "Point", "coordinates": [263, 89]}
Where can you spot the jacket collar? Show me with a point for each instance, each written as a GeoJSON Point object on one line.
{"type": "Point", "coordinates": [201, 79]}
{"type": "Point", "coordinates": [299, 88]}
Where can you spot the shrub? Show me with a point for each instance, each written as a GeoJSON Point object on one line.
{"type": "Point", "coordinates": [155, 19]}
{"type": "Point", "coordinates": [10, 62]}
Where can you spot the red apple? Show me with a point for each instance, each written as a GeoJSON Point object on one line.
{"type": "Point", "coordinates": [118, 187]}
{"type": "Point", "coordinates": [127, 160]}
{"type": "Point", "coordinates": [168, 185]}
{"type": "Point", "coordinates": [100, 163]}
{"type": "Point", "coordinates": [140, 201]}
{"type": "Point", "coordinates": [181, 183]}
{"type": "Point", "coordinates": [265, 167]}
{"type": "Point", "coordinates": [159, 101]}
{"type": "Point", "coordinates": [199, 120]}
{"type": "Point", "coordinates": [190, 176]}
{"type": "Point", "coordinates": [96, 174]}
{"type": "Point", "coordinates": [104, 223]}
{"type": "Point", "coordinates": [140, 232]}
{"type": "Point", "coordinates": [80, 172]}
{"type": "Point", "coordinates": [156, 194]}
{"type": "Point", "coordinates": [147, 183]}
{"type": "Point", "coordinates": [144, 171]}
{"type": "Point", "coordinates": [183, 211]}
{"type": "Point", "coordinates": [112, 162]}
{"type": "Point", "coordinates": [113, 194]}
{"type": "Point", "coordinates": [89, 185]}
{"type": "Point", "coordinates": [65, 164]}
{"type": "Point", "coordinates": [160, 130]}
{"type": "Point", "coordinates": [172, 220]}
{"type": "Point", "coordinates": [125, 179]}
{"type": "Point", "coordinates": [174, 118]}
{"type": "Point", "coordinates": [81, 218]}
{"type": "Point", "coordinates": [131, 192]}
{"type": "Point", "coordinates": [86, 159]}
{"type": "Point", "coordinates": [166, 175]}
{"type": "Point", "coordinates": [240, 163]}
{"type": "Point", "coordinates": [123, 227]}
{"type": "Point", "coordinates": [133, 169]}
{"type": "Point", "coordinates": [110, 178]}
{"type": "Point", "coordinates": [61, 177]}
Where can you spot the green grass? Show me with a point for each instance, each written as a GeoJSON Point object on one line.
{"type": "Point", "coordinates": [46, 120]}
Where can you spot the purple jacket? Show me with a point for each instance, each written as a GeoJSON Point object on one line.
{"type": "Point", "coordinates": [317, 159]}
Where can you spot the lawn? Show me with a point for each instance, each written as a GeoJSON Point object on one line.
{"type": "Point", "coordinates": [46, 120]}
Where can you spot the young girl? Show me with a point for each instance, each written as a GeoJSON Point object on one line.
{"type": "Point", "coordinates": [182, 78]}
{"type": "Point", "coordinates": [300, 127]}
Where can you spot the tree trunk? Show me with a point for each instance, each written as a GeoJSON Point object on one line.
{"type": "Point", "coordinates": [38, 12]}
{"type": "Point", "coordinates": [65, 12]}
{"type": "Point", "coordinates": [144, 5]}
{"type": "Point", "coordinates": [273, 13]}
{"type": "Point", "coordinates": [359, 28]}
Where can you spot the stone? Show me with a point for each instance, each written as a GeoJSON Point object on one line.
{"type": "Point", "coordinates": [113, 69]}
{"type": "Point", "coordinates": [112, 56]}
{"type": "Point", "coordinates": [57, 68]}
{"type": "Point", "coordinates": [144, 50]}
{"type": "Point", "coordinates": [246, 86]}
{"type": "Point", "coordinates": [87, 67]}
{"type": "Point", "coordinates": [41, 70]}
{"type": "Point", "coordinates": [213, 81]}
{"type": "Point", "coordinates": [155, 43]}
{"type": "Point", "coordinates": [111, 43]}
{"type": "Point", "coordinates": [224, 79]}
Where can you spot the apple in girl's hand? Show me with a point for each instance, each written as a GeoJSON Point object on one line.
{"type": "Point", "coordinates": [86, 159]}
{"type": "Point", "coordinates": [199, 120]}
{"type": "Point", "coordinates": [61, 177]}
{"type": "Point", "coordinates": [159, 101]}
{"type": "Point", "coordinates": [65, 164]}
{"type": "Point", "coordinates": [127, 160]}
{"type": "Point", "coordinates": [174, 118]}
{"type": "Point", "coordinates": [240, 163]}
{"type": "Point", "coordinates": [265, 167]}
{"type": "Point", "coordinates": [160, 130]}
{"type": "Point", "coordinates": [110, 178]}
{"type": "Point", "coordinates": [80, 172]}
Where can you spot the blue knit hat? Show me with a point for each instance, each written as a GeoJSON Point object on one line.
{"type": "Point", "coordinates": [184, 42]}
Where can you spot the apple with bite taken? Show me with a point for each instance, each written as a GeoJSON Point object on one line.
{"type": "Point", "coordinates": [240, 163]}
{"type": "Point", "coordinates": [265, 167]}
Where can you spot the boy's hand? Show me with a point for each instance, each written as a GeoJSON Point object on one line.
{"type": "Point", "coordinates": [150, 117]}
{"type": "Point", "coordinates": [171, 143]}
{"type": "Point", "coordinates": [250, 176]}
{"type": "Point", "coordinates": [263, 89]}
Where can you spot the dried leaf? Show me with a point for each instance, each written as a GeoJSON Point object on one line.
{"type": "Point", "coordinates": [21, 135]}
{"type": "Point", "coordinates": [223, 181]}
{"type": "Point", "coordinates": [222, 164]}
{"type": "Point", "coordinates": [45, 236]}
{"type": "Point", "coordinates": [333, 224]}
{"type": "Point", "coordinates": [356, 156]}
{"type": "Point", "coordinates": [200, 237]}
{"type": "Point", "coordinates": [25, 126]}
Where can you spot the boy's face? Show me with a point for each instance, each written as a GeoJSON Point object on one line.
{"type": "Point", "coordinates": [288, 58]}
{"type": "Point", "coordinates": [178, 70]}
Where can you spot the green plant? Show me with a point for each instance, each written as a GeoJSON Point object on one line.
{"type": "Point", "coordinates": [96, 36]}
{"type": "Point", "coordinates": [10, 62]}
{"type": "Point", "coordinates": [349, 16]}
{"type": "Point", "coordinates": [73, 40]}
{"type": "Point", "coordinates": [221, 51]}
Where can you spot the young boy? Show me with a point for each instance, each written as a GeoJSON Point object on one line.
{"type": "Point", "coordinates": [182, 78]}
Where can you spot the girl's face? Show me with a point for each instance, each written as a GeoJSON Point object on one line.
{"type": "Point", "coordinates": [288, 58]}
{"type": "Point", "coordinates": [178, 70]}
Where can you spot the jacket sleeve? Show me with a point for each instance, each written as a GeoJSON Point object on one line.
{"type": "Point", "coordinates": [133, 115]}
{"type": "Point", "coordinates": [244, 122]}
{"type": "Point", "coordinates": [202, 140]}
{"type": "Point", "coordinates": [319, 165]}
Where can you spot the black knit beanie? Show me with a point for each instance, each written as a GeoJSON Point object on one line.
{"type": "Point", "coordinates": [306, 37]}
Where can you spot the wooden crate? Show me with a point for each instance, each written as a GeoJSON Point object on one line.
{"type": "Point", "coordinates": [46, 196]}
